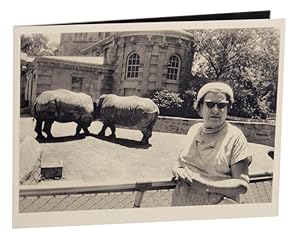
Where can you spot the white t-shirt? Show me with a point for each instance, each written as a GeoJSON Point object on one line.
{"type": "Point", "coordinates": [213, 154]}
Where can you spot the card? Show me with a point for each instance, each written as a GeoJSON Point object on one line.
{"type": "Point", "coordinates": [112, 118]}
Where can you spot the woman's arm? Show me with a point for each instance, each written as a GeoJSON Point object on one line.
{"type": "Point", "coordinates": [239, 170]}
{"type": "Point", "coordinates": [230, 187]}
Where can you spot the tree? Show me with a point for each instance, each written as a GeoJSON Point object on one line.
{"type": "Point", "coordinates": [37, 45]}
{"type": "Point", "coordinates": [245, 58]}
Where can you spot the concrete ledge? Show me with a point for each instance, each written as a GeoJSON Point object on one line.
{"type": "Point", "coordinates": [30, 159]}
{"type": "Point", "coordinates": [255, 132]}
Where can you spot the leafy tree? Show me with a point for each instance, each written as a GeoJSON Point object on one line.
{"type": "Point", "coordinates": [37, 45]}
{"type": "Point", "coordinates": [187, 109]}
{"type": "Point", "coordinates": [247, 59]}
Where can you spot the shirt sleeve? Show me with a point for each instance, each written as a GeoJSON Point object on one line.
{"type": "Point", "coordinates": [240, 150]}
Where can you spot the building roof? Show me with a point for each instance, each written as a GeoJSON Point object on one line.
{"type": "Point", "coordinates": [173, 33]}
{"type": "Point", "coordinates": [78, 59]}
{"type": "Point", "coordinates": [98, 44]}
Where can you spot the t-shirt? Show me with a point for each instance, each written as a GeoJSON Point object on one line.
{"type": "Point", "coordinates": [211, 155]}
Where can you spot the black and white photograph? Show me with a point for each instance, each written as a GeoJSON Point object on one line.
{"type": "Point", "coordinates": [123, 120]}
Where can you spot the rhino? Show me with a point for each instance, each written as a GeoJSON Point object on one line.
{"type": "Point", "coordinates": [126, 111]}
{"type": "Point", "coordinates": [62, 106]}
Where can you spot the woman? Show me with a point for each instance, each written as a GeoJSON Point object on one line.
{"type": "Point", "coordinates": [213, 165]}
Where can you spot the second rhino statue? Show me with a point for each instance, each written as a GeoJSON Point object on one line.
{"type": "Point", "coordinates": [127, 111]}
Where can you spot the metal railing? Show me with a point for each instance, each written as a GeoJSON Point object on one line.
{"type": "Point", "coordinates": [61, 196]}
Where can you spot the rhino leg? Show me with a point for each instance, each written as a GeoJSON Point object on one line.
{"type": "Point", "coordinates": [78, 128]}
{"type": "Point", "coordinates": [47, 129]}
{"type": "Point", "coordinates": [38, 129]}
{"type": "Point", "coordinates": [113, 130]}
{"type": "Point", "coordinates": [86, 131]}
{"type": "Point", "coordinates": [147, 133]}
{"type": "Point", "coordinates": [146, 126]}
{"type": "Point", "coordinates": [102, 132]}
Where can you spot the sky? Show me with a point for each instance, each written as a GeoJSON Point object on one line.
{"type": "Point", "coordinates": [53, 38]}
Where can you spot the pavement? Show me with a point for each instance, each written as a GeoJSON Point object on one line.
{"type": "Point", "coordinates": [103, 160]}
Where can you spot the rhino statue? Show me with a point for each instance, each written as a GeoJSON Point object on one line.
{"type": "Point", "coordinates": [62, 106]}
{"type": "Point", "coordinates": [126, 111]}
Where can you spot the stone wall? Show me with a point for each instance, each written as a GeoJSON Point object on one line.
{"type": "Point", "coordinates": [255, 132]}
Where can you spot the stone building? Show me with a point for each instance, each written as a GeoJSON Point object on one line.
{"type": "Point", "coordinates": [123, 63]}
{"type": "Point", "coordinates": [146, 61]}
{"type": "Point", "coordinates": [71, 44]}
{"type": "Point", "coordinates": [77, 74]}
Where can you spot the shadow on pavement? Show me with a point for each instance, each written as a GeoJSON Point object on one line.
{"type": "Point", "coordinates": [122, 141]}
{"type": "Point", "coordinates": [61, 139]}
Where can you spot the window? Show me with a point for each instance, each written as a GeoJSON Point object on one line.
{"type": "Point", "coordinates": [173, 68]}
{"type": "Point", "coordinates": [77, 81]}
{"type": "Point", "coordinates": [133, 64]}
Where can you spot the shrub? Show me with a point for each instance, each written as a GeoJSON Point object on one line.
{"type": "Point", "coordinates": [169, 103]}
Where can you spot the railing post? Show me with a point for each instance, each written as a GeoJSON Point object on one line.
{"type": "Point", "coordinates": [141, 187]}
{"type": "Point", "coordinates": [138, 199]}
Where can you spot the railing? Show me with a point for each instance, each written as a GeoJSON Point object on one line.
{"type": "Point", "coordinates": [60, 196]}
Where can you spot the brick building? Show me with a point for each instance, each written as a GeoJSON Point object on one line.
{"type": "Point", "coordinates": [123, 63]}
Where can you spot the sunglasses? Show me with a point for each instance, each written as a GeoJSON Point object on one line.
{"type": "Point", "coordinates": [220, 105]}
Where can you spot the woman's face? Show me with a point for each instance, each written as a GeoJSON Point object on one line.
{"type": "Point", "coordinates": [214, 109]}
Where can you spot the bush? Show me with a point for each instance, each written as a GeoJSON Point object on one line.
{"type": "Point", "coordinates": [175, 104]}
{"type": "Point", "coordinates": [169, 103]}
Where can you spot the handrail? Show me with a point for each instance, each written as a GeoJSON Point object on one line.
{"type": "Point", "coordinates": [65, 188]}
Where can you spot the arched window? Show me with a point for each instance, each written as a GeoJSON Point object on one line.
{"type": "Point", "coordinates": [133, 64]}
{"type": "Point", "coordinates": [173, 68]}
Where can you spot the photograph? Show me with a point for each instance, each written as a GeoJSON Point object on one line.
{"type": "Point", "coordinates": [180, 117]}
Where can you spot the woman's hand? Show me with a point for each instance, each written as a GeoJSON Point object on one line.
{"type": "Point", "coordinates": [182, 174]}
